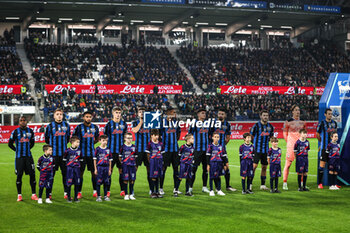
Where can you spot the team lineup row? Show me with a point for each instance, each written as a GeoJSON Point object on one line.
{"type": "Point", "coordinates": [158, 150]}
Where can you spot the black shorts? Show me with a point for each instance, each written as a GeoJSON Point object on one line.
{"type": "Point", "coordinates": [200, 157]}
{"type": "Point", "coordinates": [88, 162]}
{"type": "Point", "coordinates": [324, 156]}
{"type": "Point", "coordinates": [171, 158]}
{"type": "Point", "coordinates": [59, 163]}
{"type": "Point", "coordinates": [116, 160]}
{"type": "Point", "coordinates": [24, 164]}
{"type": "Point", "coordinates": [142, 157]}
{"type": "Point", "coordinates": [260, 157]}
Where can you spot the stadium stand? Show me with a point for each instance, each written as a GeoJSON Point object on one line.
{"type": "Point", "coordinates": [107, 64]}
{"type": "Point", "coordinates": [212, 67]}
{"type": "Point", "coordinates": [247, 107]}
{"type": "Point", "coordinates": [101, 105]}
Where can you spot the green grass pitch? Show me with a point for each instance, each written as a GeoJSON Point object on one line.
{"type": "Point", "coordinates": [290, 211]}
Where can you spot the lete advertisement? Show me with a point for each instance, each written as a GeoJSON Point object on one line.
{"type": "Point", "coordinates": [264, 90]}
{"type": "Point", "coordinates": [114, 89]}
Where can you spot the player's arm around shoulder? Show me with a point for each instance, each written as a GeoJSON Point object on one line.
{"type": "Point", "coordinates": [136, 127]}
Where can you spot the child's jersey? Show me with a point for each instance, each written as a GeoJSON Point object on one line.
{"type": "Point", "coordinates": [102, 156]}
{"type": "Point", "coordinates": [128, 155]}
{"type": "Point", "coordinates": [246, 151]}
{"type": "Point", "coordinates": [46, 164]}
{"type": "Point", "coordinates": [72, 157]}
{"type": "Point", "coordinates": [216, 153]}
{"type": "Point", "coordinates": [155, 150]}
{"type": "Point", "coordinates": [186, 154]}
{"type": "Point", "coordinates": [302, 148]}
{"type": "Point", "coordinates": [333, 150]}
{"type": "Point", "coordinates": [274, 155]}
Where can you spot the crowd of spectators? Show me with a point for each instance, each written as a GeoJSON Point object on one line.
{"type": "Point", "coordinates": [247, 107]}
{"type": "Point", "coordinates": [329, 56]}
{"type": "Point", "coordinates": [102, 105]}
{"type": "Point", "coordinates": [212, 67]}
{"type": "Point", "coordinates": [134, 64]}
{"type": "Point", "coordinates": [144, 65]}
{"type": "Point", "coordinates": [11, 70]}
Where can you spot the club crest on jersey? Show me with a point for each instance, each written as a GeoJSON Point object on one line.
{"type": "Point", "coordinates": [93, 130]}
{"type": "Point", "coordinates": [121, 127]}
{"type": "Point", "coordinates": [64, 128]}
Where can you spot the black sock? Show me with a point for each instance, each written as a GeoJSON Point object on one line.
{"type": "Point", "coordinates": [64, 174]}
{"type": "Point", "coordinates": [48, 191]}
{"type": "Point", "coordinates": [219, 183]}
{"type": "Point", "coordinates": [276, 183]}
{"type": "Point", "coordinates": [41, 190]}
{"type": "Point", "coordinates": [320, 175]}
{"type": "Point", "coordinates": [105, 189]}
{"type": "Point", "coordinates": [98, 189]}
{"type": "Point", "coordinates": [205, 177]}
{"type": "Point", "coordinates": [263, 180]}
{"type": "Point", "coordinates": [194, 170]}
{"type": "Point", "coordinates": [19, 184]}
{"type": "Point", "coordinates": [162, 179]}
{"type": "Point", "coordinates": [211, 184]}
{"type": "Point", "coordinates": [110, 183]}
{"type": "Point", "coordinates": [93, 179]}
{"type": "Point", "coordinates": [299, 181]}
{"type": "Point", "coordinates": [152, 186]}
{"type": "Point", "coordinates": [150, 181]}
{"type": "Point", "coordinates": [188, 183]}
{"type": "Point", "coordinates": [121, 182]}
{"type": "Point", "coordinates": [176, 178]}
{"type": "Point", "coordinates": [249, 182]}
{"type": "Point", "coordinates": [81, 183]}
{"type": "Point", "coordinates": [177, 185]}
{"type": "Point", "coordinates": [335, 179]}
{"type": "Point", "coordinates": [131, 188]}
{"type": "Point", "coordinates": [76, 190]}
{"type": "Point", "coordinates": [32, 183]}
{"type": "Point", "coordinates": [227, 178]}
{"type": "Point", "coordinates": [304, 180]}
{"type": "Point", "coordinates": [157, 185]}
{"type": "Point", "coordinates": [125, 188]}
{"type": "Point", "coordinates": [271, 183]}
{"type": "Point", "coordinates": [69, 192]}
{"type": "Point", "coordinates": [243, 184]}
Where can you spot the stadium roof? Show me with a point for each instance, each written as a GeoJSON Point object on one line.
{"type": "Point", "coordinates": [93, 12]}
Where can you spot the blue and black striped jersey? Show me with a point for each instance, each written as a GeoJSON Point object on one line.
{"type": "Point", "coordinates": [24, 140]}
{"type": "Point", "coordinates": [201, 137]}
{"type": "Point", "coordinates": [261, 134]}
{"type": "Point", "coordinates": [115, 132]}
{"type": "Point", "coordinates": [88, 136]}
{"type": "Point", "coordinates": [325, 128]}
{"type": "Point", "coordinates": [57, 135]}
{"type": "Point", "coordinates": [170, 135]}
{"type": "Point", "coordinates": [142, 137]}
